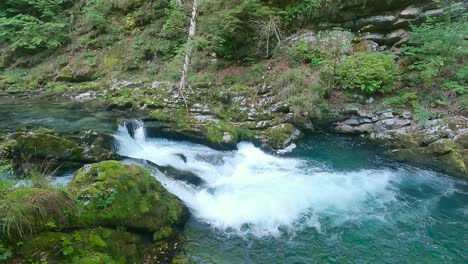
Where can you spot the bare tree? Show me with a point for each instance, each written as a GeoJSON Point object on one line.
{"type": "Point", "coordinates": [268, 34]}
{"type": "Point", "coordinates": [189, 46]}
{"type": "Point", "coordinates": [188, 53]}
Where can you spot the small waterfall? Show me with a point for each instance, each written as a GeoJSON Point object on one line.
{"type": "Point", "coordinates": [136, 129]}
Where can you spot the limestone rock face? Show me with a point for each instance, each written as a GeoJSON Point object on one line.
{"type": "Point", "coordinates": [438, 144]}
{"type": "Point", "coordinates": [384, 22]}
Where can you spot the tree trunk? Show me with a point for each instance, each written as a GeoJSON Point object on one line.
{"type": "Point", "coordinates": [188, 50]}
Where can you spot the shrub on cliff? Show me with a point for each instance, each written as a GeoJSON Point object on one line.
{"type": "Point", "coordinates": [437, 52]}
{"type": "Point", "coordinates": [368, 73]}
{"type": "Point", "coordinates": [32, 25]}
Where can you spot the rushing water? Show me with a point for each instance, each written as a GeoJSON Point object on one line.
{"type": "Point", "coordinates": [332, 200]}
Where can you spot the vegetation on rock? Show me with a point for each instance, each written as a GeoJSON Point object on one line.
{"type": "Point", "coordinates": [45, 224]}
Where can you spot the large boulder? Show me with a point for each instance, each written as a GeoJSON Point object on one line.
{"type": "Point", "coordinates": [116, 195]}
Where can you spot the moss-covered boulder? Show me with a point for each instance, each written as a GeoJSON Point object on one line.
{"type": "Point", "coordinates": [43, 148]}
{"type": "Point", "coordinates": [113, 194]}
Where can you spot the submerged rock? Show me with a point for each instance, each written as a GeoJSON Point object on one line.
{"type": "Point", "coordinates": [180, 175]}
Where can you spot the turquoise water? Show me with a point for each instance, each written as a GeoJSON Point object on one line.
{"type": "Point", "coordinates": [56, 114]}
{"type": "Point", "coordinates": [334, 199]}
{"type": "Point", "coordinates": [426, 222]}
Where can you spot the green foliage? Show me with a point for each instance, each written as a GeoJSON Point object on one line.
{"type": "Point", "coordinates": [401, 99]}
{"type": "Point", "coordinates": [304, 52]}
{"type": "Point", "coordinates": [32, 24]}
{"type": "Point", "coordinates": [24, 211]}
{"type": "Point", "coordinates": [438, 51]}
{"type": "Point", "coordinates": [303, 93]}
{"type": "Point", "coordinates": [227, 28]}
{"type": "Point", "coordinates": [307, 10]}
{"type": "Point", "coordinates": [5, 252]}
{"type": "Point", "coordinates": [368, 73]}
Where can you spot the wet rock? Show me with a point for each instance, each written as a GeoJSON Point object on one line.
{"type": "Point", "coordinates": [176, 174]}
{"type": "Point", "coordinates": [451, 163]}
{"type": "Point", "coordinates": [96, 245]}
{"type": "Point", "coordinates": [280, 136]}
{"type": "Point", "coordinates": [93, 138]}
{"type": "Point", "coordinates": [182, 157]}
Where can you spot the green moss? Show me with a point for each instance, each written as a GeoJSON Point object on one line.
{"type": "Point", "coordinates": [164, 233]}
{"type": "Point", "coordinates": [451, 163]}
{"type": "Point", "coordinates": [57, 87]}
{"type": "Point", "coordinates": [45, 150]}
{"type": "Point", "coordinates": [98, 245]}
{"type": "Point", "coordinates": [162, 116]}
{"type": "Point", "coordinates": [277, 135]}
{"type": "Point", "coordinates": [113, 194]}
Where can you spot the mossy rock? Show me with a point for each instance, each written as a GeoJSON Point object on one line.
{"type": "Point", "coordinates": [281, 136]}
{"type": "Point", "coordinates": [113, 194]}
{"type": "Point", "coordinates": [451, 163]}
{"type": "Point", "coordinates": [30, 151]}
{"type": "Point", "coordinates": [77, 73]}
{"type": "Point", "coordinates": [97, 245]}
{"type": "Point", "coordinates": [442, 146]}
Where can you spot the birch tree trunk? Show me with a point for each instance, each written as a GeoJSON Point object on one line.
{"type": "Point", "coordinates": [188, 50]}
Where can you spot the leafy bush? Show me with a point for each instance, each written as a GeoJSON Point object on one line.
{"type": "Point", "coordinates": [32, 24]}
{"type": "Point", "coordinates": [304, 52]}
{"type": "Point", "coordinates": [437, 52]}
{"type": "Point", "coordinates": [368, 73]}
{"type": "Point", "coordinates": [312, 9]}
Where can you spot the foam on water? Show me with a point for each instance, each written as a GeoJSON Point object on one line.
{"type": "Point", "coordinates": [250, 191]}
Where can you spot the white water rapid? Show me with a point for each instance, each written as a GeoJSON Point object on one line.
{"type": "Point", "coordinates": [249, 191]}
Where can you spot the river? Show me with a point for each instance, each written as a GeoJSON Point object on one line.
{"type": "Point", "coordinates": [333, 199]}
